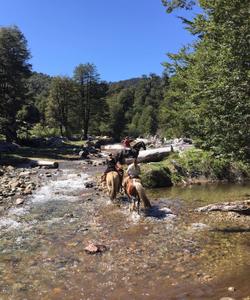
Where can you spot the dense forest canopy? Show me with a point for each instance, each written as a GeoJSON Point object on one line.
{"type": "Point", "coordinates": [203, 93]}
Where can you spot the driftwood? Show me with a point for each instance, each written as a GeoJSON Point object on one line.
{"type": "Point", "coordinates": [242, 207]}
{"type": "Point", "coordinates": [152, 155]}
{"type": "Point", "coordinates": [45, 163]}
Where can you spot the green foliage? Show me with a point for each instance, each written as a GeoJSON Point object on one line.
{"type": "Point", "coordinates": [195, 163]}
{"type": "Point", "coordinates": [134, 109]}
{"type": "Point", "coordinates": [156, 176]}
{"type": "Point", "coordinates": [90, 95]}
{"type": "Point", "coordinates": [173, 4]}
{"type": "Point", "coordinates": [14, 71]}
{"type": "Point", "coordinates": [60, 101]}
{"type": "Point", "coordinates": [208, 96]}
{"type": "Point", "coordinates": [39, 130]}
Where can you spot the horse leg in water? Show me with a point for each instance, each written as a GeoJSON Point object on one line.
{"type": "Point", "coordinates": [135, 203]}
{"type": "Point", "coordinates": [133, 196]}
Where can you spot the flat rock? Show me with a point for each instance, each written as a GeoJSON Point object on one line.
{"type": "Point", "coordinates": [242, 207]}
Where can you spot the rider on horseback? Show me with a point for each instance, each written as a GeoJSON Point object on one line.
{"type": "Point", "coordinates": [126, 142]}
{"type": "Point", "coordinates": [133, 171]}
{"type": "Point", "coordinates": [112, 166]}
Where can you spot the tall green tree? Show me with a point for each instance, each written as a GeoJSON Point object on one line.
{"type": "Point", "coordinates": [39, 88]}
{"type": "Point", "coordinates": [15, 69]}
{"type": "Point", "coordinates": [210, 84]}
{"type": "Point", "coordinates": [61, 99]}
{"type": "Point", "coordinates": [87, 79]}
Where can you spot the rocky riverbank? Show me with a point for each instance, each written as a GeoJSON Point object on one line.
{"type": "Point", "coordinates": [19, 183]}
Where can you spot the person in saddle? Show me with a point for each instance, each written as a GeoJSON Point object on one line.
{"type": "Point", "coordinates": [126, 142]}
{"type": "Point", "coordinates": [133, 171]}
{"type": "Point", "coordinates": [111, 166]}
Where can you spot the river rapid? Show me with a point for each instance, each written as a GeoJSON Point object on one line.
{"type": "Point", "coordinates": [169, 252]}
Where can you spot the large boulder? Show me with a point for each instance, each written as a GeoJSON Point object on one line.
{"type": "Point", "coordinates": [156, 178]}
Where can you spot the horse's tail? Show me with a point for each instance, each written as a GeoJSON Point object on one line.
{"type": "Point", "coordinates": [113, 189]}
{"type": "Point", "coordinates": [141, 193]}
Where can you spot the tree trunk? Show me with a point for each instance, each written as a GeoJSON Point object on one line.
{"type": "Point", "coordinates": [61, 130]}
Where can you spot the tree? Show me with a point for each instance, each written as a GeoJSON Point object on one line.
{"type": "Point", "coordinates": [209, 90]}
{"type": "Point", "coordinates": [87, 79]}
{"type": "Point", "coordinates": [61, 97]}
{"type": "Point", "coordinates": [14, 71]}
{"type": "Point", "coordinates": [173, 4]}
{"type": "Point", "coordinates": [39, 87]}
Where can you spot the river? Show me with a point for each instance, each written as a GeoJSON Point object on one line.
{"type": "Point", "coordinates": [170, 253]}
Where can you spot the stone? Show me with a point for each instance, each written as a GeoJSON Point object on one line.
{"type": "Point", "coordinates": [93, 249]}
{"type": "Point", "coordinates": [14, 184]}
{"type": "Point", "coordinates": [10, 168]}
{"type": "Point", "coordinates": [231, 289]}
{"type": "Point", "coordinates": [89, 185]}
{"type": "Point", "coordinates": [24, 174]}
{"type": "Point", "coordinates": [57, 290]}
{"type": "Point", "coordinates": [242, 207]}
{"type": "Point", "coordinates": [19, 201]}
{"type": "Point", "coordinates": [227, 298]}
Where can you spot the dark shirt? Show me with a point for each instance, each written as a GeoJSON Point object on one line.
{"type": "Point", "coordinates": [111, 165]}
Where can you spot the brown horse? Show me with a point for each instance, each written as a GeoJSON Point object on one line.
{"type": "Point", "coordinates": [113, 184]}
{"type": "Point", "coordinates": [136, 193]}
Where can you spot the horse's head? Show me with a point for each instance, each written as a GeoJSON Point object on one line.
{"type": "Point", "coordinates": [139, 145]}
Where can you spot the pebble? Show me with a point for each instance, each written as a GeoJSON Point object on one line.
{"type": "Point", "coordinates": [93, 249]}
{"type": "Point", "coordinates": [231, 289]}
{"type": "Point", "coordinates": [19, 201]}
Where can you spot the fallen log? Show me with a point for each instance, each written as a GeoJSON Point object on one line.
{"type": "Point", "coordinates": [152, 155]}
{"type": "Point", "coordinates": [241, 207]}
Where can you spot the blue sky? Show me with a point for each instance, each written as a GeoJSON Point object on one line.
{"type": "Point", "coordinates": [123, 38]}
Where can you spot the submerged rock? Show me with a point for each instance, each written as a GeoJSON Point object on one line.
{"type": "Point", "coordinates": [93, 249]}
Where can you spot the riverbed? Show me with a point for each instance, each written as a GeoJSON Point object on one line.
{"type": "Point", "coordinates": [170, 252]}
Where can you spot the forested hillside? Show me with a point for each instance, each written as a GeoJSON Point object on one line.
{"type": "Point", "coordinates": [203, 93]}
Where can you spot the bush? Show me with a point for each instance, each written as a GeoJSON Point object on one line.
{"type": "Point", "coordinates": [157, 177]}
{"type": "Point", "coordinates": [44, 131]}
{"type": "Point", "coordinates": [196, 162]}
{"type": "Point", "coordinates": [193, 163]}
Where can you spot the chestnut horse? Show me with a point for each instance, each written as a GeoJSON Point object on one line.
{"type": "Point", "coordinates": [136, 193]}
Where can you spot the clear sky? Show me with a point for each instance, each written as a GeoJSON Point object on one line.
{"type": "Point", "coordinates": [123, 38]}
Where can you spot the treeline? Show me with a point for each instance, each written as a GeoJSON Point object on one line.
{"type": "Point", "coordinates": [203, 94]}
{"type": "Point", "coordinates": [37, 104]}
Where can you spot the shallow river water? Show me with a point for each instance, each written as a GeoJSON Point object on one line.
{"type": "Point", "coordinates": [171, 252]}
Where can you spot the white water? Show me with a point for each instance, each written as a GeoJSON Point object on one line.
{"type": "Point", "coordinates": [66, 188]}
